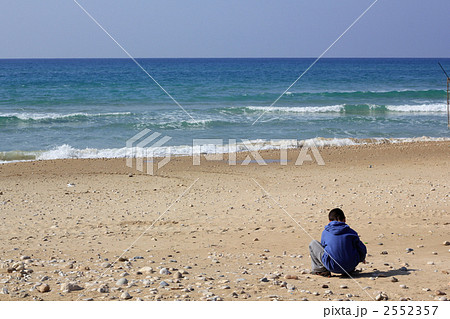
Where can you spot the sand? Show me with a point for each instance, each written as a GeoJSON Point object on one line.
{"type": "Point", "coordinates": [66, 221]}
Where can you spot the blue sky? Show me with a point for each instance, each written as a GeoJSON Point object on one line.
{"type": "Point", "coordinates": [224, 28]}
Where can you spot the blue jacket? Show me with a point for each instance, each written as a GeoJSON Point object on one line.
{"type": "Point", "coordinates": [342, 247]}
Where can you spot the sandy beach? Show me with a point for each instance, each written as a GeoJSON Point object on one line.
{"type": "Point", "coordinates": [225, 232]}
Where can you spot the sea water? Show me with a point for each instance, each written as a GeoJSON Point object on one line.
{"type": "Point", "coordinates": [88, 108]}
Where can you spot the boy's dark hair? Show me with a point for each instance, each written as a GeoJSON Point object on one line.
{"type": "Point", "coordinates": [336, 214]}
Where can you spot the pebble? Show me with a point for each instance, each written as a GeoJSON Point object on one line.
{"type": "Point", "coordinates": [384, 252]}
{"type": "Point", "coordinates": [234, 295]}
{"type": "Point", "coordinates": [103, 289]}
{"type": "Point", "coordinates": [393, 279]}
{"type": "Point", "coordinates": [18, 266]}
{"type": "Point", "coordinates": [146, 270]}
{"type": "Point", "coordinates": [343, 287]}
{"type": "Point", "coordinates": [403, 286]}
{"type": "Point", "coordinates": [290, 287]}
{"type": "Point", "coordinates": [125, 296]}
{"type": "Point", "coordinates": [264, 279]}
{"type": "Point", "coordinates": [290, 277]}
{"type": "Point", "coordinates": [403, 269]}
{"type": "Point", "coordinates": [324, 286]}
{"type": "Point", "coordinates": [177, 275]}
{"type": "Point", "coordinates": [382, 296]}
{"type": "Point", "coordinates": [43, 288]}
{"type": "Point", "coordinates": [44, 278]}
{"type": "Point", "coordinates": [164, 271]}
{"type": "Point", "coordinates": [430, 263]}
{"type": "Point", "coordinates": [443, 299]}
{"type": "Point", "coordinates": [446, 243]}
{"type": "Point", "coordinates": [4, 291]}
{"type": "Point", "coordinates": [105, 265]}
{"type": "Point", "coordinates": [439, 293]}
{"type": "Point", "coordinates": [122, 282]}
{"type": "Point", "coordinates": [69, 286]}
{"type": "Point", "coordinates": [25, 257]}
{"type": "Point", "coordinates": [408, 250]}
{"type": "Point", "coordinates": [163, 284]}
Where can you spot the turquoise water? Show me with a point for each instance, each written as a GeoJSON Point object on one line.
{"type": "Point", "coordinates": [68, 105]}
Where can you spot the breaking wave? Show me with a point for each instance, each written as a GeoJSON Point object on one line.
{"type": "Point", "coordinates": [30, 117]}
{"type": "Point", "coordinates": [68, 152]}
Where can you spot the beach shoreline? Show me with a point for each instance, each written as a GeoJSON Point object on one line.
{"type": "Point", "coordinates": [219, 229]}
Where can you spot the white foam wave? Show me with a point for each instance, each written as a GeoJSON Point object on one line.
{"type": "Point", "coordinates": [68, 152]}
{"type": "Point", "coordinates": [185, 123]}
{"type": "Point", "coordinates": [298, 109]}
{"type": "Point", "coordinates": [44, 116]}
{"type": "Point", "coordinates": [419, 108]}
{"type": "Point", "coordinates": [407, 108]}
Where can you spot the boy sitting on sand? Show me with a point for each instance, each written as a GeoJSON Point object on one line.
{"type": "Point", "coordinates": [340, 249]}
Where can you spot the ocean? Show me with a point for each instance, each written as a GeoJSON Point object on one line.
{"type": "Point", "coordinates": [89, 108]}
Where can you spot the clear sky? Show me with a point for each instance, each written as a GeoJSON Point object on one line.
{"type": "Point", "coordinates": [224, 28]}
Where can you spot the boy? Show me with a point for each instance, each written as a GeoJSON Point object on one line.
{"type": "Point", "coordinates": [340, 249]}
